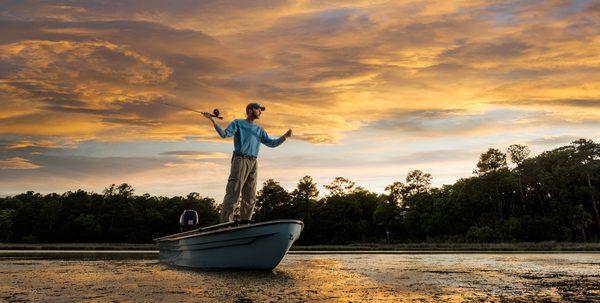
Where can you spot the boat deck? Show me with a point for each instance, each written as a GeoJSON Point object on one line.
{"type": "Point", "coordinates": [223, 227]}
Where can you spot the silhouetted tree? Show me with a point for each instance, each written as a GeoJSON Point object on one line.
{"type": "Point", "coordinates": [274, 202]}
{"type": "Point", "coordinates": [558, 190]}
{"type": "Point", "coordinates": [340, 186]}
{"type": "Point", "coordinates": [417, 182]}
{"type": "Point", "coordinates": [492, 161]}
{"type": "Point", "coordinates": [491, 165]}
{"type": "Point", "coordinates": [397, 192]}
{"type": "Point", "coordinates": [517, 154]}
{"type": "Point", "coordinates": [587, 154]}
{"type": "Point", "coordinates": [6, 224]}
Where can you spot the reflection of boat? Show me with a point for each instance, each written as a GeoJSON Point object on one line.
{"type": "Point", "coordinates": [231, 245]}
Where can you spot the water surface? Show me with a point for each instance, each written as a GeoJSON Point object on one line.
{"type": "Point", "coordinates": [441, 277]}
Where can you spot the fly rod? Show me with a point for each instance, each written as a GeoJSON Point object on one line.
{"type": "Point", "coordinates": [216, 113]}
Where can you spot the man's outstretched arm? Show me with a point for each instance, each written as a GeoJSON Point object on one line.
{"type": "Point", "coordinates": [228, 132]}
{"type": "Point", "coordinates": [271, 142]}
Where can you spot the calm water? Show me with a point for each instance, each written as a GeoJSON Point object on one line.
{"type": "Point", "coordinates": [448, 277]}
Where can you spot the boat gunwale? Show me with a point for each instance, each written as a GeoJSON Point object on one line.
{"type": "Point", "coordinates": [189, 247]}
{"type": "Point", "coordinates": [199, 232]}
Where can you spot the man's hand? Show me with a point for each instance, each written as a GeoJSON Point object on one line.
{"type": "Point", "coordinates": [208, 116]}
{"type": "Point", "coordinates": [288, 133]}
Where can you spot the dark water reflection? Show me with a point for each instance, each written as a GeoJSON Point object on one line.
{"type": "Point", "coordinates": [313, 278]}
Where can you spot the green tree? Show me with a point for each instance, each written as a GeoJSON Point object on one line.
{"type": "Point", "coordinates": [304, 200]}
{"type": "Point", "coordinates": [517, 154]}
{"type": "Point", "coordinates": [492, 161]}
{"type": "Point", "coordinates": [274, 202]}
{"type": "Point", "coordinates": [580, 220]}
{"type": "Point", "coordinates": [6, 224]}
{"type": "Point", "coordinates": [397, 192]}
{"type": "Point", "coordinates": [306, 189]}
{"type": "Point", "coordinates": [588, 157]}
{"type": "Point", "coordinates": [417, 182]}
{"type": "Point", "coordinates": [304, 197]}
{"type": "Point", "coordinates": [340, 186]}
{"type": "Point", "coordinates": [338, 216]}
{"type": "Point", "coordinates": [558, 190]}
{"type": "Point", "coordinates": [491, 165]}
{"type": "Point", "coordinates": [85, 228]}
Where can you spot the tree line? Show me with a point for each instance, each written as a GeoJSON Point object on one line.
{"type": "Point", "coordinates": [510, 197]}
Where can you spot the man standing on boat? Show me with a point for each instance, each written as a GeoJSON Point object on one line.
{"type": "Point", "coordinates": [247, 137]}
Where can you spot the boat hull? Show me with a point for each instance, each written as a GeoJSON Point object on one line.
{"type": "Point", "coordinates": [252, 246]}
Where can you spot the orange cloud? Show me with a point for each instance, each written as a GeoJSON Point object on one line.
{"type": "Point", "coordinates": [196, 155]}
{"type": "Point", "coordinates": [17, 163]}
{"type": "Point", "coordinates": [340, 74]}
{"type": "Point", "coordinates": [317, 65]}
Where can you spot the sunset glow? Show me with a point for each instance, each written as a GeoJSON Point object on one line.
{"type": "Point", "coordinates": [371, 89]}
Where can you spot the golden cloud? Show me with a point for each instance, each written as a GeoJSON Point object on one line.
{"type": "Point", "coordinates": [323, 69]}
{"type": "Point", "coordinates": [17, 163]}
{"type": "Point", "coordinates": [196, 155]}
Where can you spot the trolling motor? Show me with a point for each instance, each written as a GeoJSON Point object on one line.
{"type": "Point", "coordinates": [188, 220]}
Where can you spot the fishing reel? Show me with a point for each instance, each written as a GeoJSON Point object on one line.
{"type": "Point", "coordinates": [216, 113]}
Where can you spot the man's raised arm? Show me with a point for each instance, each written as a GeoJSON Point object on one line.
{"type": "Point", "coordinates": [270, 142]}
{"type": "Point", "coordinates": [228, 132]}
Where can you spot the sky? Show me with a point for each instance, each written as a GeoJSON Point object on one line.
{"type": "Point", "coordinates": [371, 89]}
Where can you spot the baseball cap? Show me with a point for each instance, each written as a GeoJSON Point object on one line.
{"type": "Point", "coordinates": [254, 105]}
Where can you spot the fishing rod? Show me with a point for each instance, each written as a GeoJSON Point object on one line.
{"type": "Point", "coordinates": [216, 113]}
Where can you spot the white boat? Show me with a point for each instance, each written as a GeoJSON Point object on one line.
{"type": "Point", "coordinates": [231, 245]}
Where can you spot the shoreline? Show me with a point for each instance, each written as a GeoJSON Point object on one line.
{"type": "Point", "coordinates": [154, 254]}
{"type": "Point", "coordinates": [350, 248]}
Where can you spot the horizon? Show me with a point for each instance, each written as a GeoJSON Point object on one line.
{"type": "Point", "coordinates": [372, 90]}
{"type": "Point", "coordinates": [321, 187]}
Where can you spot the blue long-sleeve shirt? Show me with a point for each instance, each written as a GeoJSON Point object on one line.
{"type": "Point", "coordinates": [247, 137]}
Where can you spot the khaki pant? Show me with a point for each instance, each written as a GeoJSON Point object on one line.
{"type": "Point", "coordinates": [242, 180]}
